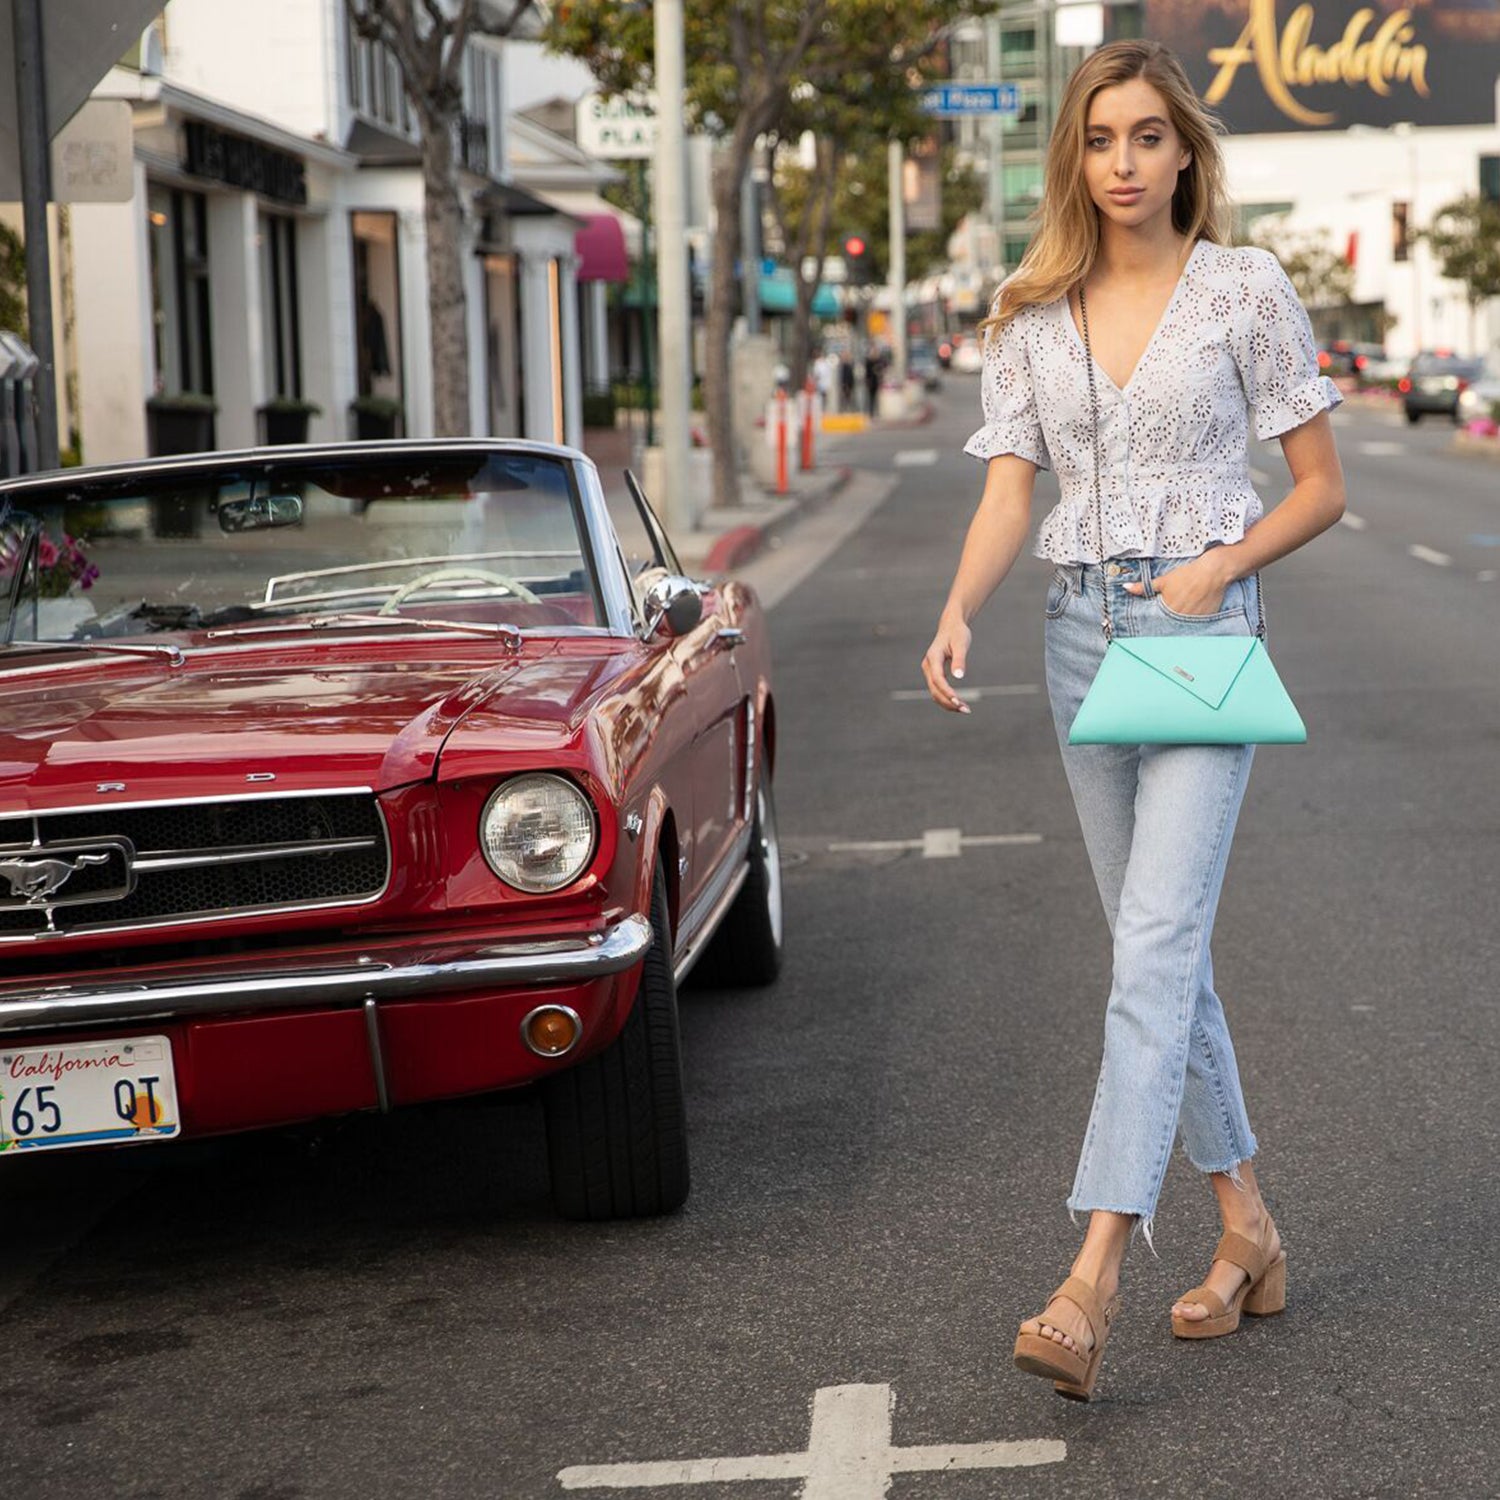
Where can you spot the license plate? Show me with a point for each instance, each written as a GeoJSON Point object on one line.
{"type": "Point", "coordinates": [91, 1094]}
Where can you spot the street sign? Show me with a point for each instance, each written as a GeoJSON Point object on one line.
{"type": "Point", "coordinates": [952, 100]}
{"type": "Point", "coordinates": [92, 155]}
{"type": "Point", "coordinates": [622, 128]}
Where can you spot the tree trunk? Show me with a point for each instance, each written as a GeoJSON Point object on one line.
{"type": "Point", "coordinates": [447, 303]}
{"type": "Point", "coordinates": [717, 394]}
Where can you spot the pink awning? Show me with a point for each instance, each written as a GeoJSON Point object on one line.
{"type": "Point", "coordinates": [600, 245]}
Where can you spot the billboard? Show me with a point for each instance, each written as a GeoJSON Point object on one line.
{"type": "Point", "coordinates": [1273, 65]}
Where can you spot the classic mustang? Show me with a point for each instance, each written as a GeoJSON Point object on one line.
{"type": "Point", "coordinates": [338, 778]}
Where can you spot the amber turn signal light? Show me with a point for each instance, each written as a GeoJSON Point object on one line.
{"type": "Point", "coordinates": [551, 1030]}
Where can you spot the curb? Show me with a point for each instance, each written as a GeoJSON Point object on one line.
{"type": "Point", "coordinates": [1477, 447]}
{"type": "Point", "coordinates": [740, 544]}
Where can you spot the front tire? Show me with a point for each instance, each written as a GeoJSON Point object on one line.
{"type": "Point", "coordinates": [617, 1122]}
{"type": "Point", "coordinates": [746, 950]}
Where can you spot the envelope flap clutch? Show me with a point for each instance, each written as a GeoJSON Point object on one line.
{"type": "Point", "coordinates": [1193, 690]}
{"type": "Point", "coordinates": [1205, 666]}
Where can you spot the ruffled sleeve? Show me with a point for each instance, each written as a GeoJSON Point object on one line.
{"type": "Point", "coordinates": [1274, 349]}
{"type": "Point", "coordinates": [1008, 400]}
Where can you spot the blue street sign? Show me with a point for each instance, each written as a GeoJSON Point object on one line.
{"type": "Point", "coordinates": [954, 99]}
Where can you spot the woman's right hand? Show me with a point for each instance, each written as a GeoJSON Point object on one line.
{"type": "Point", "coordinates": [949, 645]}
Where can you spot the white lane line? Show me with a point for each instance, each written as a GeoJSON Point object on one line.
{"type": "Point", "coordinates": [969, 694]}
{"type": "Point", "coordinates": [915, 458]}
{"type": "Point", "coordinates": [935, 843]}
{"type": "Point", "coordinates": [1352, 521]}
{"type": "Point", "coordinates": [1428, 555]}
{"type": "Point", "coordinates": [1381, 448]}
{"type": "Point", "coordinates": [1259, 476]}
{"type": "Point", "coordinates": [849, 1455]}
{"type": "Point", "coordinates": [1488, 575]}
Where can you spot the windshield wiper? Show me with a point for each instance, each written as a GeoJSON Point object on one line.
{"type": "Point", "coordinates": [30, 540]}
{"type": "Point", "coordinates": [508, 633]}
{"type": "Point", "coordinates": [143, 648]}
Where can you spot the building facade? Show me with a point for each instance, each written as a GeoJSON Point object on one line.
{"type": "Point", "coordinates": [272, 261]}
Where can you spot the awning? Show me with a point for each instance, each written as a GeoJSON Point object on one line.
{"type": "Point", "coordinates": [600, 246]}
{"type": "Point", "coordinates": [778, 294]}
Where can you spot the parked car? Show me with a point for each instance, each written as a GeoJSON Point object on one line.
{"type": "Point", "coordinates": [1480, 400]}
{"type": "Point", "coordinates": [1435, 382]}
{"type": "Point", "coordinates": [922, 363]}
{"type": "Point", "coordinates": [968, 354]}
{"type": "Point", "coordinates": [343, 778]}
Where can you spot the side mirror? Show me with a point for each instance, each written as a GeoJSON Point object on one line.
{"type": "Point", "coordinates": [260, 513]}
{"type": "Point", "coordinates": [676, 601]}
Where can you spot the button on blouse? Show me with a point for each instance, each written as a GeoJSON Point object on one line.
{"type": "Point", "coordinates": [1174, 467]}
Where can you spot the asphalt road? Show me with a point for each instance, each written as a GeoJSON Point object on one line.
{"type": "Point", "coordinates": [882, 1143]}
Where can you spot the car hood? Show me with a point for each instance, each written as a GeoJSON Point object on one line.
{"type": "Point", "coordinates": [213, 728]}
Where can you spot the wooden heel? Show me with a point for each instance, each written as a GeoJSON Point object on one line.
{"type": "Point", "coordinates": [1268, 1295]}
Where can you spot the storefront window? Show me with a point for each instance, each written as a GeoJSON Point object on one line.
{"type": "Point", "coordinates": [377, 305]}
{"type": "Point", "coordinates": [181, 342]}
{"type": "Point", "coordinates": [282, 340]}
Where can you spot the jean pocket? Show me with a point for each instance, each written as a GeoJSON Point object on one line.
{"type": "Point", "coordinates": [1231, 611]}
{"type": "Point", "coordinates": [1059, 592]}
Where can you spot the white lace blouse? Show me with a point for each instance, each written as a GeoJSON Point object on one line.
{"type": "Point", "coordinates": [1174, 471]}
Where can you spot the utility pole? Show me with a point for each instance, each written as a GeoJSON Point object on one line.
{"type": "Point", "coordinates": [36, 190]}
{"type": "Point", "coordinates": [674, 307]}
{"type": "Point", "coordinates": [897, 282]}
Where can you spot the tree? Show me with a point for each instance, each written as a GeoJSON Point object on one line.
{"type": "Point", "coordinates": [1465, 238]}
{"type": "Point", "coordinates": [12, 281]}
{"type": "Point", "coordinates": [748, 62]}
{"type": "Point", "coordinates": [427, 38]}
{"type": "Point", "coordinates": [1322, 277]}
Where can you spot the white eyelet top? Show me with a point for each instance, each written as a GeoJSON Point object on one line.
{"type": "Point", "coordinates": [1174, 468]}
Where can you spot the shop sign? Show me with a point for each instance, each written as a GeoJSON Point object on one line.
{"type": "Point", "coordinates": [237, 161]}
{"type": "Point", "coordinates": [1267, 65]}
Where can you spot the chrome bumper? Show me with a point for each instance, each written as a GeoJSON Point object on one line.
{"type": "Point", "coordinates": [434, 969]}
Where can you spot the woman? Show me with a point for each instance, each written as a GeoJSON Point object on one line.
{"type": "Point", "coordinates": [1190, 339]}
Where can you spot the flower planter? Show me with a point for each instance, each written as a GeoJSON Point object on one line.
{"type": "Point", "coordinates": [281, 425]}
{"type": "Point", "coordinates": [179, 429]}
{"type": "Point", "coordinates": [375, 419]}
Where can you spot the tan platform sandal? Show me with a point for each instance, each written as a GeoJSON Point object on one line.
{"type": "Point", "coordinates": [1071, 1371]}
{"type": "Point", "coordinates": [1261, 1295]}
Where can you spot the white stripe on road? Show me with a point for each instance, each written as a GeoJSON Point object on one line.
{"type": "Point", "coordinates": [1381, 448]}
{"type": "Point", "coordinates": [935, 843]}
{"type": "Point", "coordinates": [1352, 521]}
{"type": "Point", "coordinates": [1428, 555]}
{"type": "Point", "coordinates": [915, 458]}
{"type": "Point", "coordinates": [1488, 575]}
{"type": "Point", "coordinates": [970, 694]}
{"type": "Point", "coordinates": [1259, 476]}
{"type": "Point", "coordinates": [849, 1455]}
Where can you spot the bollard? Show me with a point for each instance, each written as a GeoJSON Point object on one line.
{"type": "Point", "coordinates": [782, 482]}
{"type": "Point", "coordinates": [807, 404]}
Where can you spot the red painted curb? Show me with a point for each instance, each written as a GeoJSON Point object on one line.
{"type": "Point", "coordinates": [735, 548]}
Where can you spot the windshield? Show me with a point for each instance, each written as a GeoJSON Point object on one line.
{"type": "Point", "coordinates": [1446, 364]}
{"type": "Point", "coordinates": [491, 539]}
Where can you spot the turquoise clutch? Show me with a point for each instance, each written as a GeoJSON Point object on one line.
{"type": "Point", "coordinates": [1187, 690]}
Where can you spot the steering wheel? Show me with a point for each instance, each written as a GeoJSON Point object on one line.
{"type": "Point", "coordinates": [470, 575]}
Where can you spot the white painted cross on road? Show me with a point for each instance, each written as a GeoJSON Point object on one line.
{"type": "Point", "coordinates": [849, 1455]}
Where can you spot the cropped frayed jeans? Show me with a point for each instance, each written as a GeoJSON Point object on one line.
{"type": "Point", "coordinates": [1157, 821]}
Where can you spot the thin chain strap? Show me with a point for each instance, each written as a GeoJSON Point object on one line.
{"type": "Point", "coordinates": [1088, 356]}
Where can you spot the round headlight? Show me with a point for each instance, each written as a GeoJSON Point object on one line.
{"type": "Point", "coordinates": [537, 832]}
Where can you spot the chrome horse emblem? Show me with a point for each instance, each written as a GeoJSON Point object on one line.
{"type": "Point", "coordinates": [35, 880]}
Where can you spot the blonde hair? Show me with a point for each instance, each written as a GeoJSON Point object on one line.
{"type": "Point", "coordinates": [1067, 239]}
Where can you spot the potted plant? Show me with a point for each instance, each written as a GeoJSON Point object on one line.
{"type": "Point", "coordinates": [375, 417]}
{"type": "Point", "coordinates": [284, 419]}
{"type": "Point", "coordinates": [180, 423]}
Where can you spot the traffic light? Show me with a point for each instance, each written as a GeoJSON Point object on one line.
{"type": "Point", "coordinates": [857, 265]}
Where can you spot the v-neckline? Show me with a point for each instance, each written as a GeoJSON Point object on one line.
{"type": "Point", "coordinates": [1161, 322]}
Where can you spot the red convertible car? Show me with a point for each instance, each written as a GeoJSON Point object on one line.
{"type": "Point", "coordinates": [340, 778]}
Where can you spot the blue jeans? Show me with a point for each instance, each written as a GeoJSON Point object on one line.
{"type": "Point", "coordinates": [1157, 821]}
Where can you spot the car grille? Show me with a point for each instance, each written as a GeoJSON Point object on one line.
{"type": "Point", "coordinates": [193, 860]}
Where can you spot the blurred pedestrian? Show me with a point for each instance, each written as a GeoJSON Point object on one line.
{"type": "Point", "coordinates": [874, 371]}
{"type": "Point", "coordinates": [846, 383]}
{"type": "Point", "coordinates": [1132, 347]}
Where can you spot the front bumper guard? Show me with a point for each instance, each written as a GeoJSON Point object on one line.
{"type": "Point", "coordinates": [362, 981]}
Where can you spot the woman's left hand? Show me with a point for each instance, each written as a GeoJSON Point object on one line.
{"type": "Point", "coordinates": [1196, 588]}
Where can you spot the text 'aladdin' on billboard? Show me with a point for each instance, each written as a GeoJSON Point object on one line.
{"type": "Point", "coordinates": [1267, 65]}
